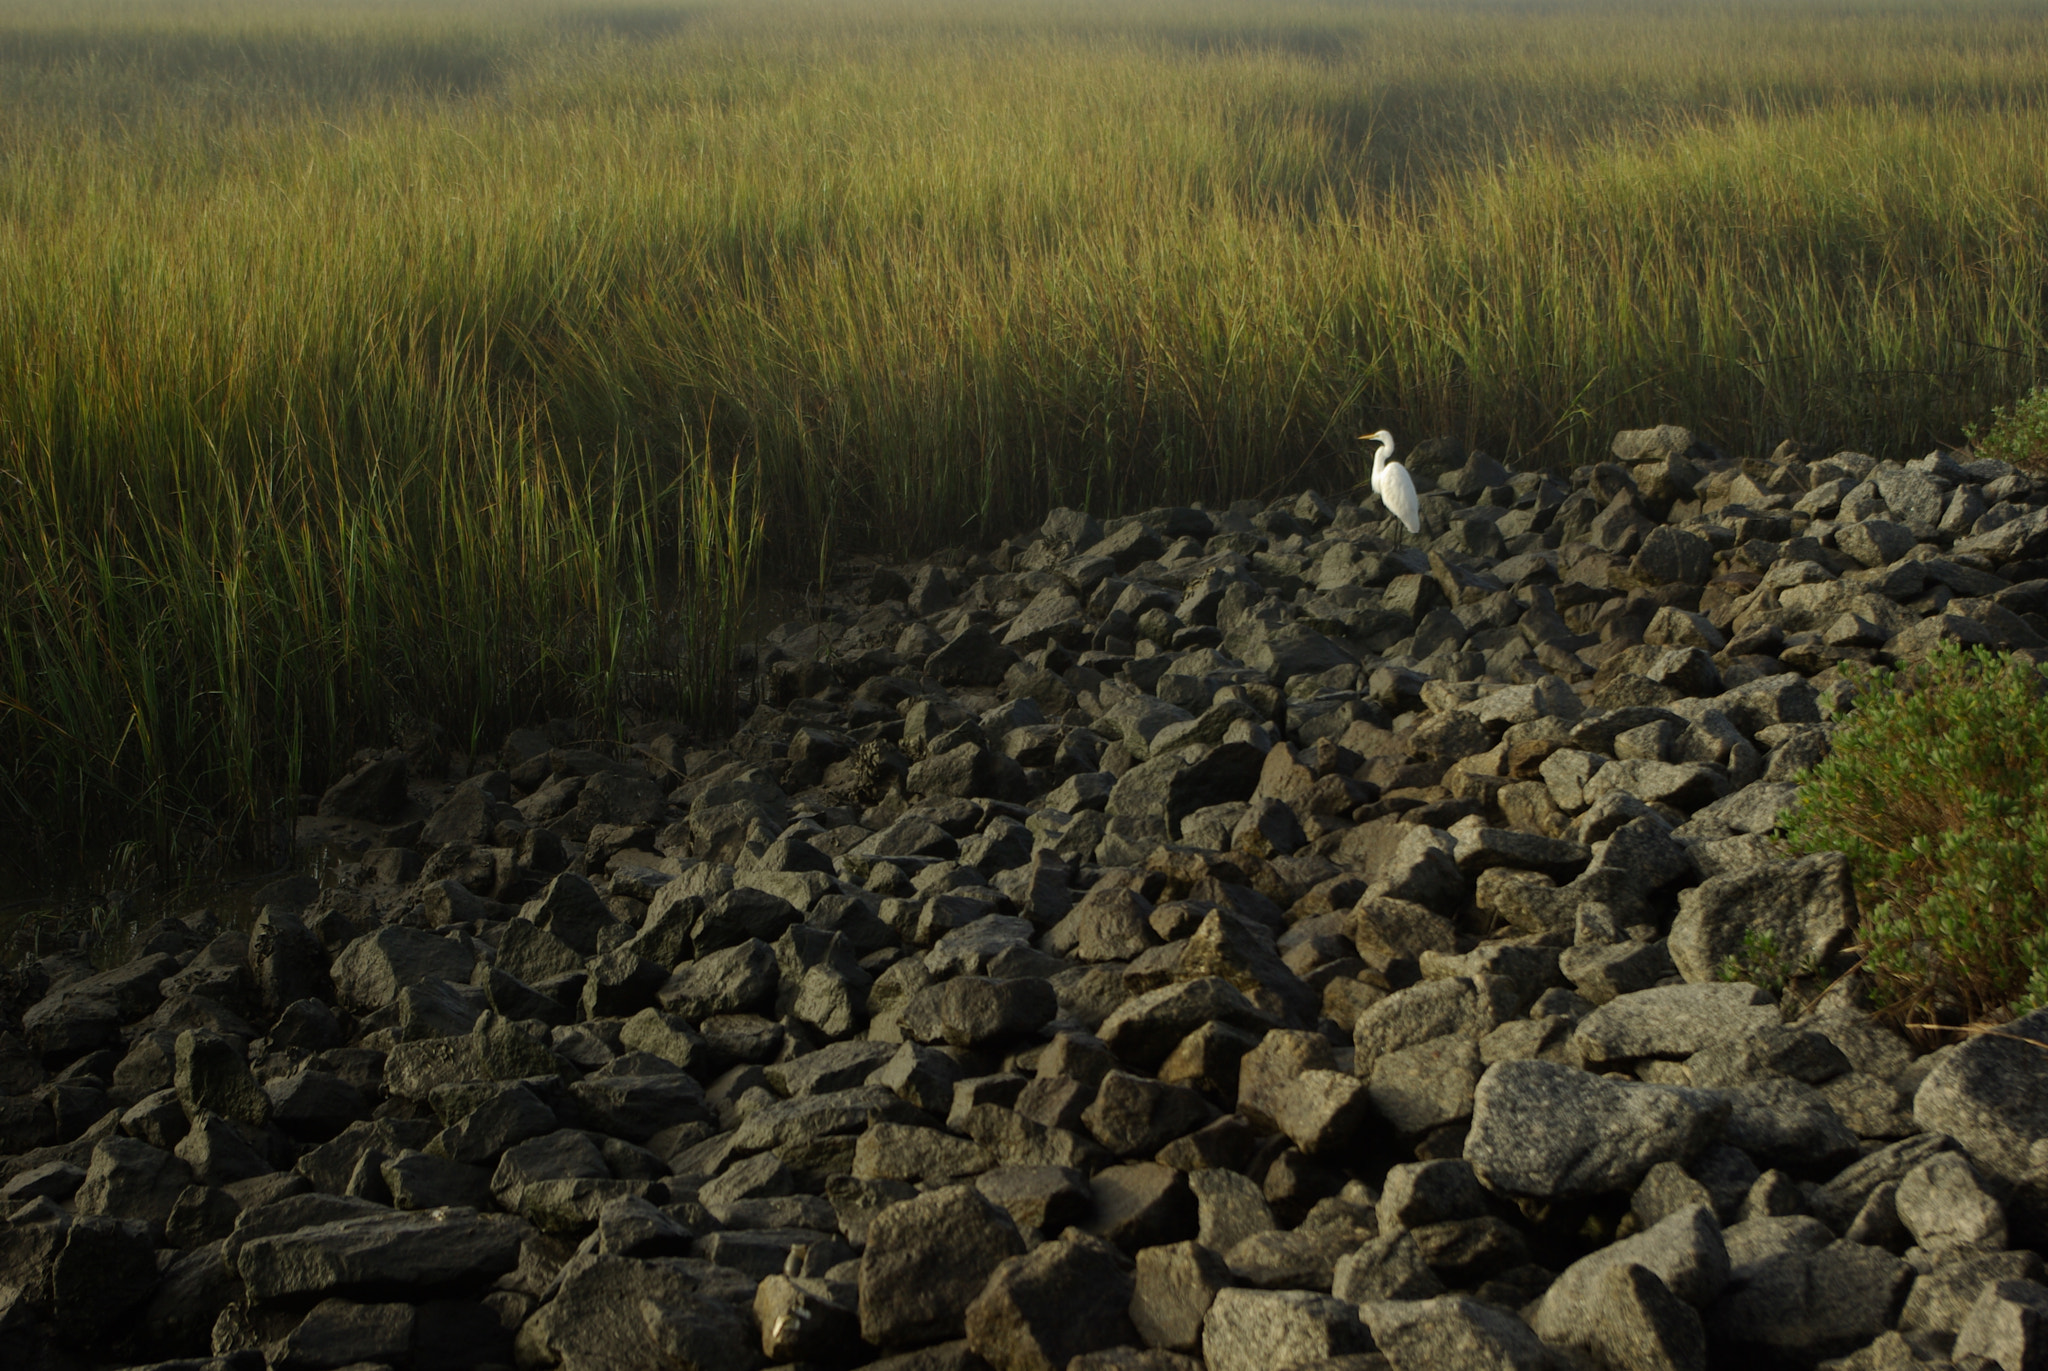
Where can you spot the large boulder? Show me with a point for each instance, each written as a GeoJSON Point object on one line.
{"type": "Point", "coordinates": [1545, 1131]}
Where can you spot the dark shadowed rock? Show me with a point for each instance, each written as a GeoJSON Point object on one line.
{"type": "Point", "coordinates": [1040, 1311]}
{"type": "Point", "coordinates": [926, 1260]}
{"type": "Point", "coordinates": [614, 1313]}
{"type": "Point", "coordinates": [379, 1250]}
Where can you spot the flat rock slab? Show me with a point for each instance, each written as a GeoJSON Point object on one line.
{"type": "Point", "coordinates": [1547, 1131]}
{"type": "Point", "coordinates": [430, 1247]}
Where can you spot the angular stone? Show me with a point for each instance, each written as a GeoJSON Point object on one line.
{"type": "Point", "coordinates": [212, 1076]}
{"type": "Point", "coordinates": [369, 972]}
{"type": "Point", "coordinates": [1172, 1291]}
{"type": "Point", "coordinates": [1142, 1204]}
{"type": "Point", "coordinates": [1453, 1330]}
{"type": "Point", "coordinates": [1685, 1252]}
{"type": "Point", "coordinates": [733, 980]}
{"type": "Point", "coordinates": [1255, 1330]}
{"type": "Point", "coordinates": [422, 1249]}
{"type": "Point", "coordinates": [2008, 1325]}
{"type": "Point", "coordinates": [968, 1011]}
{"type": "Point", "coordinates": [1133, 1116]}
{"type": "Point", "coordinates": [129, 1179]}
{"type": "Point", "coordinates": [1144, 1029]}
{"type": "Point", "coordinates": [1546, 1131]}
{"type": "Point", "coordinates": [1943, 1206]}
{"type": "Point", "coordinates": [1673, 1021]}
{"type": "Point", "coordinates": [1040, 1311]}
{"type": "Point", "coordinates": [1805, 908]}
{"type": "Point", "coordinates": [926, 1261]}
{"type": "Point", "coordinates": [1990, 1093]}
{"type": "Point", "coordinates": [1422, 1088]}
{"type": "Point", "coordinates": [1390, 1267]}
{"type": "Point", "coordinates": [613, 1313]}
{"type": "Point", "coordinates": [1808, 1304]}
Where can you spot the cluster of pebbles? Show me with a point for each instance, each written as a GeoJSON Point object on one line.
{"type": "Point", "coordinates": [1255, 937]}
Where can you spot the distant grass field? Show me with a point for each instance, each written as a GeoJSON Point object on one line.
{"type": "Point", "coordinates": [366, 367]}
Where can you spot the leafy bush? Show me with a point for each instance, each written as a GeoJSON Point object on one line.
{"type": "Point", "coordinates": [2018, 435]}
{"type": "Point", "coordinates": [1937, 789]}
{"type": "Point", "coordinates": [1763, 962]}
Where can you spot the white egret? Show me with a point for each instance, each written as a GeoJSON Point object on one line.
{"type": "Point", "coordinates": [1392, 483]}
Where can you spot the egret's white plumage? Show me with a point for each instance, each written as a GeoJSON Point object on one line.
{"type": "Point", "coordinates": [1392, 483]}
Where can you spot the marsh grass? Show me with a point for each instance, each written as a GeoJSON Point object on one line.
{"type": "Point", "coordinates": [368, 366]}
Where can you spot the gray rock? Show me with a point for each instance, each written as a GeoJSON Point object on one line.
{"type": "Point", "coordinates": [129, 1179]}
{"type": "Point", "coordinates": [341, 1332]}
{"type": "Point", "coordinates": [1637, 1322]}
{"type": "Point", "coordinates": [419, 1181]}
{"type": "Point", "coordinates": [1304, 1259]}
{"type": "Point", "coordinates": [412, 1249]}
{"type": "Point", "coordinates": [1144, 1029]}
{"type": "Point", "coordinates": [1552, 1132]}
{"type": "Point", "coordinates": [905, 1152]}
{"type": "Point", "coordinates": [1770, 1050]}
{"type": "Point", "coordinates": [1453, 1330]}
{"type": "Point", "coordinates": [1142, 1204]}
{"type": "Point", "coordinates": [1041, 1310]}
{"type": "Point", "coordinates": [613, 1313]}
{"type": "Point", "coordinates": [637, 1107]}
{"type": "Point", "coordinates": [1673, 1021]}
{"type": "Point", "coordinates": [1231, 1206]}
{"type": "Point", "coordinates": [212, 1076]}
{"type": "Point", "coordinates": [1048, 1198]}
{"type": "Point", "coordinates": [733, 916]}
{"type": "Point", "coordinates": [1422, 1088]}
{"type": "Point", "coordinates": [1419, 1014]}
{"type": "Point", "coordinates": [1133, 1115]}
{"type": "Point", "coordinates": [570, 908]}
{"type": "Point", "coordinates": [1838, 1201]}
{"type": "Point", "coordinates": [733, 980]}
{"type": "Point", "coordinates": [1390, 1267]}
{"type": "Point", "coordinates": [1941, 1298]}
{"type": "Point", "coordinates": [1808, 1303]}
{"type": "Point", "coordinates": [1875, 542]}
{"type": "Point", "coordinates": [369, 972]}
{"type": "Point", "coordinates": [973, 657]}
{"type": "Point", "coordinates": [1787, 1123]}
{"type": "Point", "coordinates": [2008, 1325]}
{"type": "Point", "coordinates": [1254, 1330]}
{"type": "Point", "coordinates": [925, 1262]}
{"type": "Point", "coordinates": [1804, 908]}
{"type": "Point", "coordinates": [1323, 1112]}
{"type": "Point", "coordinates": [968, 1011]}
{"type": "Point", "coordinates": [1174, 1286]}
{"type": "Point", "coordinates": [1990, 1093]}
{"type": "Point", "coordinates": [1685, 1252]}
{"type": "Point", "coordinates": [1943, 1206]}
{"type": "Point", "coordinates": [219, 1153]}
{"type": "Point", "coordinates": [287, 961]}
{"type": "Point", "coordinates": [1416, 1194]}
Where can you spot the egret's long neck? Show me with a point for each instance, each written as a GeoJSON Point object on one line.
{"type": "Point", "coordinates": [1379, 459]}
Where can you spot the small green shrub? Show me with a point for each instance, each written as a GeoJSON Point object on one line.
{"type": "Point", "coordinates": [2018, 435]}
{"type": "Point", "coordinates": [1937, 789]}
{"type": "Point", "coordinates": [1763, 962]}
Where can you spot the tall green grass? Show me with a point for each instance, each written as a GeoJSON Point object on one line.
{"type": "Point", "coordinates": [358, 359]}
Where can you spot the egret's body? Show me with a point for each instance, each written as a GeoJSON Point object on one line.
{"type": "Point", "coordinates": [1392, 483]}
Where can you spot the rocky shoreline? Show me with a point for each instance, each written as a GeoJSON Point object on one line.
{"type": "Point", "coordinates": [1260, 938]}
